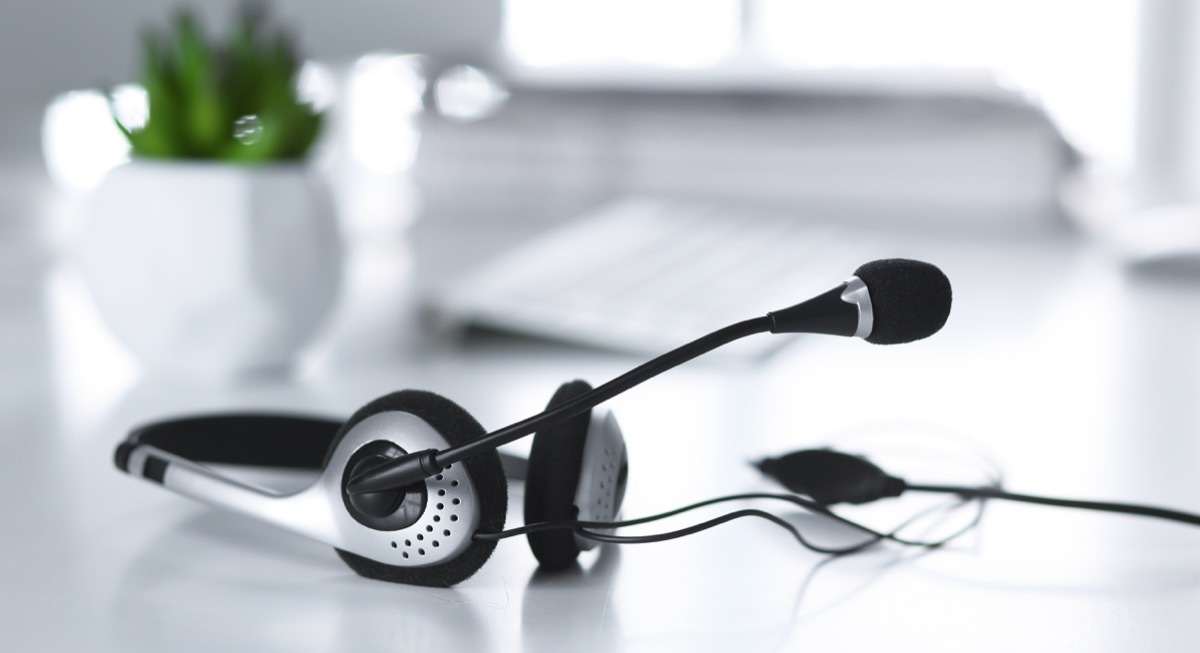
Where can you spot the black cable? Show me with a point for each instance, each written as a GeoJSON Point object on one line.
{"type": "Point", "coordinates": [874, 536]}
{"type": "Point", "coordinates": [893, 535]}
{"type": "Point", "coordinates": [790, 498]}
{"type": "Point", "coordinates": [604, 392]}
{"type": "Point", "coordinates": [1103, 506]}
{"type": "Point", "coordinates": [581, 527]}
{"type": "Point", "coordinates": [717, 521]}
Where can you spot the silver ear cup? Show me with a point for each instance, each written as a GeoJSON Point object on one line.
{"type": "Point", "coordinates": [438, 548]}
{"type": "Point", "coordinates": [439, 532]}
{"type": "Point", "coordinates": [602, 475]}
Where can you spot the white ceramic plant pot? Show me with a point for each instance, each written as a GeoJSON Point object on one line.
{"type": "Point", "coordinates": [212, 269]}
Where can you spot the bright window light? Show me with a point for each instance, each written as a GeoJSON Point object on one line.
{"type": "Point", "coordinates": [467, 93]}
{"type": "Point", "coordinates": [1075, 56]}
{"type": "Point", "coordinates": [382, 99]}
{"type": "Point", "coordinates": [673, 33]}
{"type": "Point", "coordinates": [80, 141]}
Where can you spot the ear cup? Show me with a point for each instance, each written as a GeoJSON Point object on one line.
{"type": "Point", "coordinates": [457, 427]}
{"type": "Point", "coordinates": [554, 470]}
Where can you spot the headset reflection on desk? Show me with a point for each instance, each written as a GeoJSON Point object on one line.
{"type": "Point", "coordinates": [412, 490]}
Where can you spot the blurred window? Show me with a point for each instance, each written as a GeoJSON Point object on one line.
{"type": "Point", "coordinates": [674, 33]}
{"type": "Point", "coordinates": [1075, 56]}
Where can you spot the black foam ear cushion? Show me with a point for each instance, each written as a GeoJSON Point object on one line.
{"type": "Point", "coordinates": [457, 427]}
{"type": "Point", "coordinates": [554, 469]}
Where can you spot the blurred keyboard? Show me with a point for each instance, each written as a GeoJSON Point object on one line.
{"type": "Point", "coordinates": [645, 275]}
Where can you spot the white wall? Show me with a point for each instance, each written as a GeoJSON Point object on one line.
{"type": "Point", "coordinates": [48, 46]}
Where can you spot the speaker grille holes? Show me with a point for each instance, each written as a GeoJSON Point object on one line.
{"type": "Point", "coordinates": [441, 526]}
{"type": "Point", "coordinates": [601, 479]}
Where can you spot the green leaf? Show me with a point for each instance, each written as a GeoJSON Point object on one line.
{"type": "Point", "coordinates": [162, 130]}
{"type": "Point", "coordinates": [197, 90]}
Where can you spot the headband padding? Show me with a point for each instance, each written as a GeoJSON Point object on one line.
{"type": "Point", "coordinates": [287, 441]}
{"type": "Point", "coordinates": [457, 427]}
{"type": "Point", "coordinates": [555, 460]}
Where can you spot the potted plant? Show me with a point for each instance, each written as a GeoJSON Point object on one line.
{"type": "Point", "coordinates": [214, 250]}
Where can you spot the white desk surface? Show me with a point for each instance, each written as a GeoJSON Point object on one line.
{"type": "Point", "coordinates": [1076, 377]}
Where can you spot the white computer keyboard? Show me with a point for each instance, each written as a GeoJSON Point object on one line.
{"type": "Point", "coordinates": [645, 275]}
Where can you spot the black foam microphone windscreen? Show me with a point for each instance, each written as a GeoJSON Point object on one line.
{"type": "Point", "coordinates": [910, 299]}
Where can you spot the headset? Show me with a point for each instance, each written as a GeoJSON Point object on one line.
{"type": "Point", "coordinates": [411, 489]}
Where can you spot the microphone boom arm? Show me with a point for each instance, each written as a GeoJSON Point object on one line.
{"type": "Point", "coordinates": [888, 301]}
{"type": "Point", "coordinates": [420, 465]}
